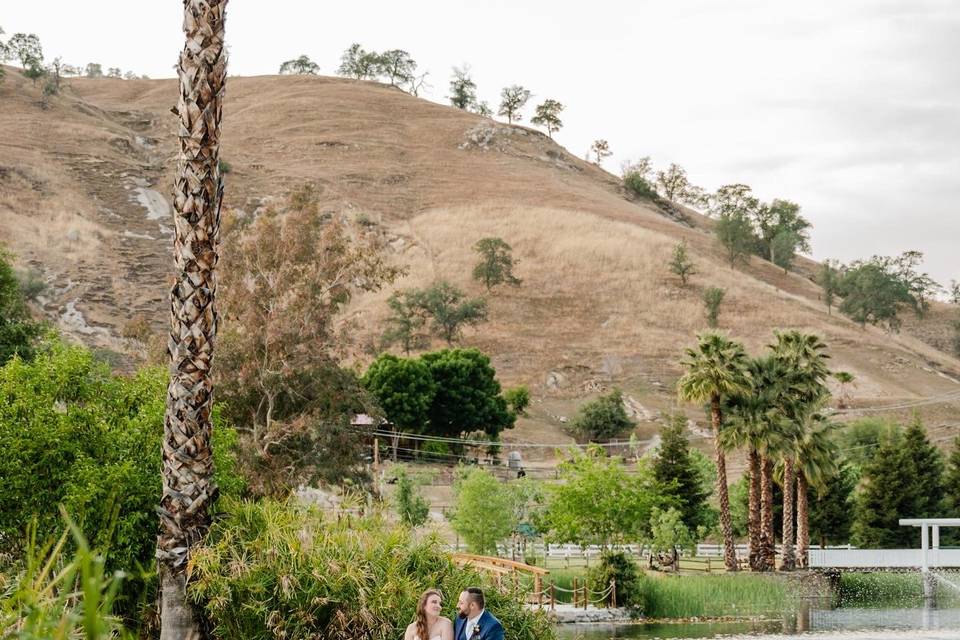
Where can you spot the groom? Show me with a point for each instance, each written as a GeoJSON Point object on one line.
{"type": "Point", "coordinates": [473, 621]}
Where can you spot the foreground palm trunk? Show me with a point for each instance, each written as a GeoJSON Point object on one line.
{"type": "Point", "coordinates": [768, 557]}
{"type": "Point", "coordinates": [188, 487]}
{"type": "Point", "coordinates": [726, 527]}
{"type": "Point", "coordinates": [803, 521]}
{"type": "Point", "coordinates": [789, 484]}
{"type": "Point", "coordinates": [753, 511]}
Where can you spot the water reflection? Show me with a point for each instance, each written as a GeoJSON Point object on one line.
{"type": "Point", "coordinates": [917, 623]}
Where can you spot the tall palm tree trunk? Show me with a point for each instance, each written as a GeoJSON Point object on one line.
{"type": "Point", "coordinates": [803, 521]}
{"type": "Point", "coordinates": [726, 528]}
{"type": "Point", "coordinates": [188, 487]}
{"type": "Point", "coordinates": [789, 485]}
{"type": "Point", "coordinates": [767, 542]}
{"type": "Point", "coordinates": [753, 515]}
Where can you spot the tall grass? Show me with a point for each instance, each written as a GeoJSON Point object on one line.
{"type": "Point", "coordinates": [689, 596]}
{"type": "Point", "coordinates": [284, 570]}
{"type": "Point", "coordinates": [880, 589]}
{"type": "Point", "coordinates": [54, 597]}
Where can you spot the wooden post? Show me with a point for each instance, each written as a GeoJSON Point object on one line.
{"type": "Point", "coordinates": [538, 587]}
{"type": "Point", "coordinates": [708, 564]}
{"type": "Point", "coordinates": [576, 592]}
{"type": "Point", "coordinates": [553, 597]}
{"type": "Point", "coordinates": [586, 594]}
{"type": "Point", "coordinates": [613, 592]}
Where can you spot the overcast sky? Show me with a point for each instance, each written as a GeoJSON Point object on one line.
{"type": "Point", "coordinates": [849, 107]}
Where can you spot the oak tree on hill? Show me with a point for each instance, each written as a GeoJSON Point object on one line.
{"type": "Point", "coordinates": [93, 70]}
{"type": "Point", "coordinates": [26, 48]}
{"type": "Point", "coordinates": [450, 310]}
{"type": "Point", "coordinates": [512, 100]}
{"type": "Point", "coordinates": [547, 115]}
{"type": "Point", "coordinates": [601, 151]}
{"type": "Point", "coordinates": [781, 231]}
{"type": "Point", "coordinates": [300, 66]}
{"type": "Point", "coordinates": [496, 263]}
{"type": "Point", "coordinates": [681, 264]}
{"type": "Point", "coordinates": [397, 66]}
{"type": "Point", "coordinates": [463, 90]}
{"type": "Point", "coordinates": [358, 63]}
{"type": "Point", "coordinates": [406, 320]}
{"type": "Point", "coordinates": [712, 299]}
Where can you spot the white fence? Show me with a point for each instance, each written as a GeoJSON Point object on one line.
{"type": "Point", "coordinates": [882, 558]}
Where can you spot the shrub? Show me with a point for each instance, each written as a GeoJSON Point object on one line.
{"type": "Point", "coordinates": [411, 506]}
{"type": "Point", "coordinates": [712, 299]}
{"type": "Point", "coordinates": [603, 418]}
{"type": "Point", "coordinates": [281, 570]}
{"type": "Point", "coordinates": [224, 166]}
{"type": "Point", "coordinates": [630, 581]}
{"type": "Point", "coordinates": [72, 434]}
{"type": "Point", "coordinates": [637, 184]}
{"type": "Point", "coordinates": [518, 398]}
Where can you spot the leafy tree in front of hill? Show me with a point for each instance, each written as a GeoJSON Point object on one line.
{"type": "Point", "coordinates": [547, 115]}
{"type": "Point", "coordinates": [734, 206]}
{"type": "Point", "coordinates": [951, 480]}
{"type": "Point", "coordinates": [18, 331]}
{"type": "Point", "coordinates": [93, 70]}
{"type": "Point", "coordinates": [603, 418]}
{"type": "Point", "coordinates": [712, 299]}
{"type": "Point", "coordinates": [450, 310]}
{"type": "Point", "coordinates": [598, 502]}
{"type": "Point", "coordinates": [397, 66]}
{"type": "Point", "coordinates": [404, 389]}
{"type": "Point", "coordinates": [412, 507]}
{"type": "Point", "coordinates": [874, 293]}
{"type": "Point", "coordinates": [681, 264]}
{"type": "Point", "coordinates": [781, 232]}
{"type": "Point", "coordinates": [468, 396]}
{"type": "Point", "coordinates": [496, 263]}
{"type": "Point", "coordinates": [115, 72]}
{"type": "Point", "coordinates": [676, 471]}
{"type": "Point", "coordinates": [358, 63]}
{"type": "Point", "coordinates": [832, 508]}
{"type": "Point", "coordinates": [828, 277]}
{"type": "Point", "coordinates": [483, 512]}
{"type": "Point", "coordinates": [928, 462]}
{"type": "Point", "coordinates": [674, 185]}
{"type": "Point", "coordinates": [601, 151]}
{"type": "Point", "coordinates": [669, 533]}
{"type": "Point", "coordinates": [300, 66]}
{"type": "Point", "coordinates": [859, 439]}
{"type": "Point", "coordinates": [518, 398]}
{"type": "Point", "coordinates": [889, 493]}
{"type": "Point", "coordinates": [26, 48]}
{"type": "Point", "coordinates": [463, 90]}
{"type": "Point", "coordinates": [512, 100]}
{"type": "Point", "coordinates": [406, 320]}
{"type": "Point", "coordinates": [638, 178]}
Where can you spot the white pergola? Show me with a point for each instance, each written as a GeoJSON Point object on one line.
{"type": "Point", "coordinates": [929, 535]}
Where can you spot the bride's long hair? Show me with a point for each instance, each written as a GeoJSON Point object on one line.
{"type": "Point", "coordinates": [423, 629]}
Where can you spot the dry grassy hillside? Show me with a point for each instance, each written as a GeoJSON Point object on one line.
{"type": "Point", "coordinates": [83, 198]}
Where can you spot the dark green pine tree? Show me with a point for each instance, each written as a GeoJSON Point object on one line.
{"type": "Point", "coordinates": [951, 489]}
{"type": "Point", "coordinates": [831, 510]}
{"type": "Point", "coordinates": [928, 464]}
{"type": "Point", "coordinates": [675, 471]}
{"type": "Point", "coordinates": [889, 493]}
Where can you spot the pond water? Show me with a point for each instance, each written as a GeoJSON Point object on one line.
{"type": "Point", "coordinates": [848, 623]}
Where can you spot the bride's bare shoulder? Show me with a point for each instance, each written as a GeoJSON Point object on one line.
{"type": "Point", "coordinates": [445, 622]}
{"type": "Point", "coordinates": [409, 634]}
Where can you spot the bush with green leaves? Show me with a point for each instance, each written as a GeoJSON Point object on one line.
{"type": "Point", "coordinates": [518, 398]}
{"type": "Point", "coordinates": [712, 299]}
{"type": "Point", "coordinates": [412, 508]}
{"type": "Point", "coordinates": [284, 570]}
{"type": "Point", "coordinates": [639, 185]}
{"type": "Point", "coordinates": [668, 532]}
{"type": "Point", "coordinates": [18, 331]}
{"type": "Point", "coordinates": [74, 435]}
{"type": "Point", "coordinates": [630, 582]}
{"type": "Point", "coordinates": [603, 418]}
{"type": "Point", "coordinates": [484, 512]}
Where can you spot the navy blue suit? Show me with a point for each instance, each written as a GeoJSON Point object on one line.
{"type": "Point", "coordinates": [490, 628]}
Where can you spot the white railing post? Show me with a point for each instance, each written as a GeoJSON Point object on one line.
{"type": "Point", "coordinates": [923, 547]}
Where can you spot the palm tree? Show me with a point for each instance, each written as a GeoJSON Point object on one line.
{"type": "Point", "coordinates": [816, 464]}
{"type": "Point", "coordinates": [716, 369]}
{"type": "Point", "coordinates": [752, 421]}
{"type": "Point", "coordinates": [188, 487]}
{"type": "Point", "coordinates": [802, 359]}
{"type": "Point", "coordinates": [844, 378]}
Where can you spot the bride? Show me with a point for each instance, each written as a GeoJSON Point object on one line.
{"type": "Point", "coordinates": [429, 624]}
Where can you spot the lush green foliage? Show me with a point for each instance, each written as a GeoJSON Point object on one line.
{"type": "Point", "coordinates": [714, 596]}
{"type": "Point", "coordinates": [603, 418]}
{"type": "Point", "coordinates": [405, 323]}
{"type": "Point", "coordinates": [51, 596]}
{"type": "Point", "coordinates": [639, 185]}
{"type": "Point", "coordinates": [617, 566]}
{"type": "Point", "coordinates": [412, 508]}
{"type": "Point", "coordinates": [880, 589]}
{"type": "Point", "coordinates": [272, 570]}
{"type": "Point", "coordinates": [872, 293]}
{"type": "Point", "coordinates": [668, 531]}
{"type": "Point", "coordinates": [712, 299]}
{"type": "Point", "coordinates": [18, 331]}
{"type": "Point", "coordinates": [484, 511]}
{"type": "Point", "coordinates": [832, 508]}
{"type": "Point", "coordinates": [496, 263]}
{"type": "Point", "coordinates": [74, 435]}
{"type": "Point", "coordinates": [676, 471]}
{"type": "Point", "coordinates": [463, 90]}
{"type": "Point", "coordinates": [547, 115]}
{"type": "Point", "coordinates": [404, 389]}
{"type": "Point", "coordinates": [468, 396]}
{"type": "Point", "coordinates": [599, 501]}
{"type": "Point", "coordinates": [450, 310]}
